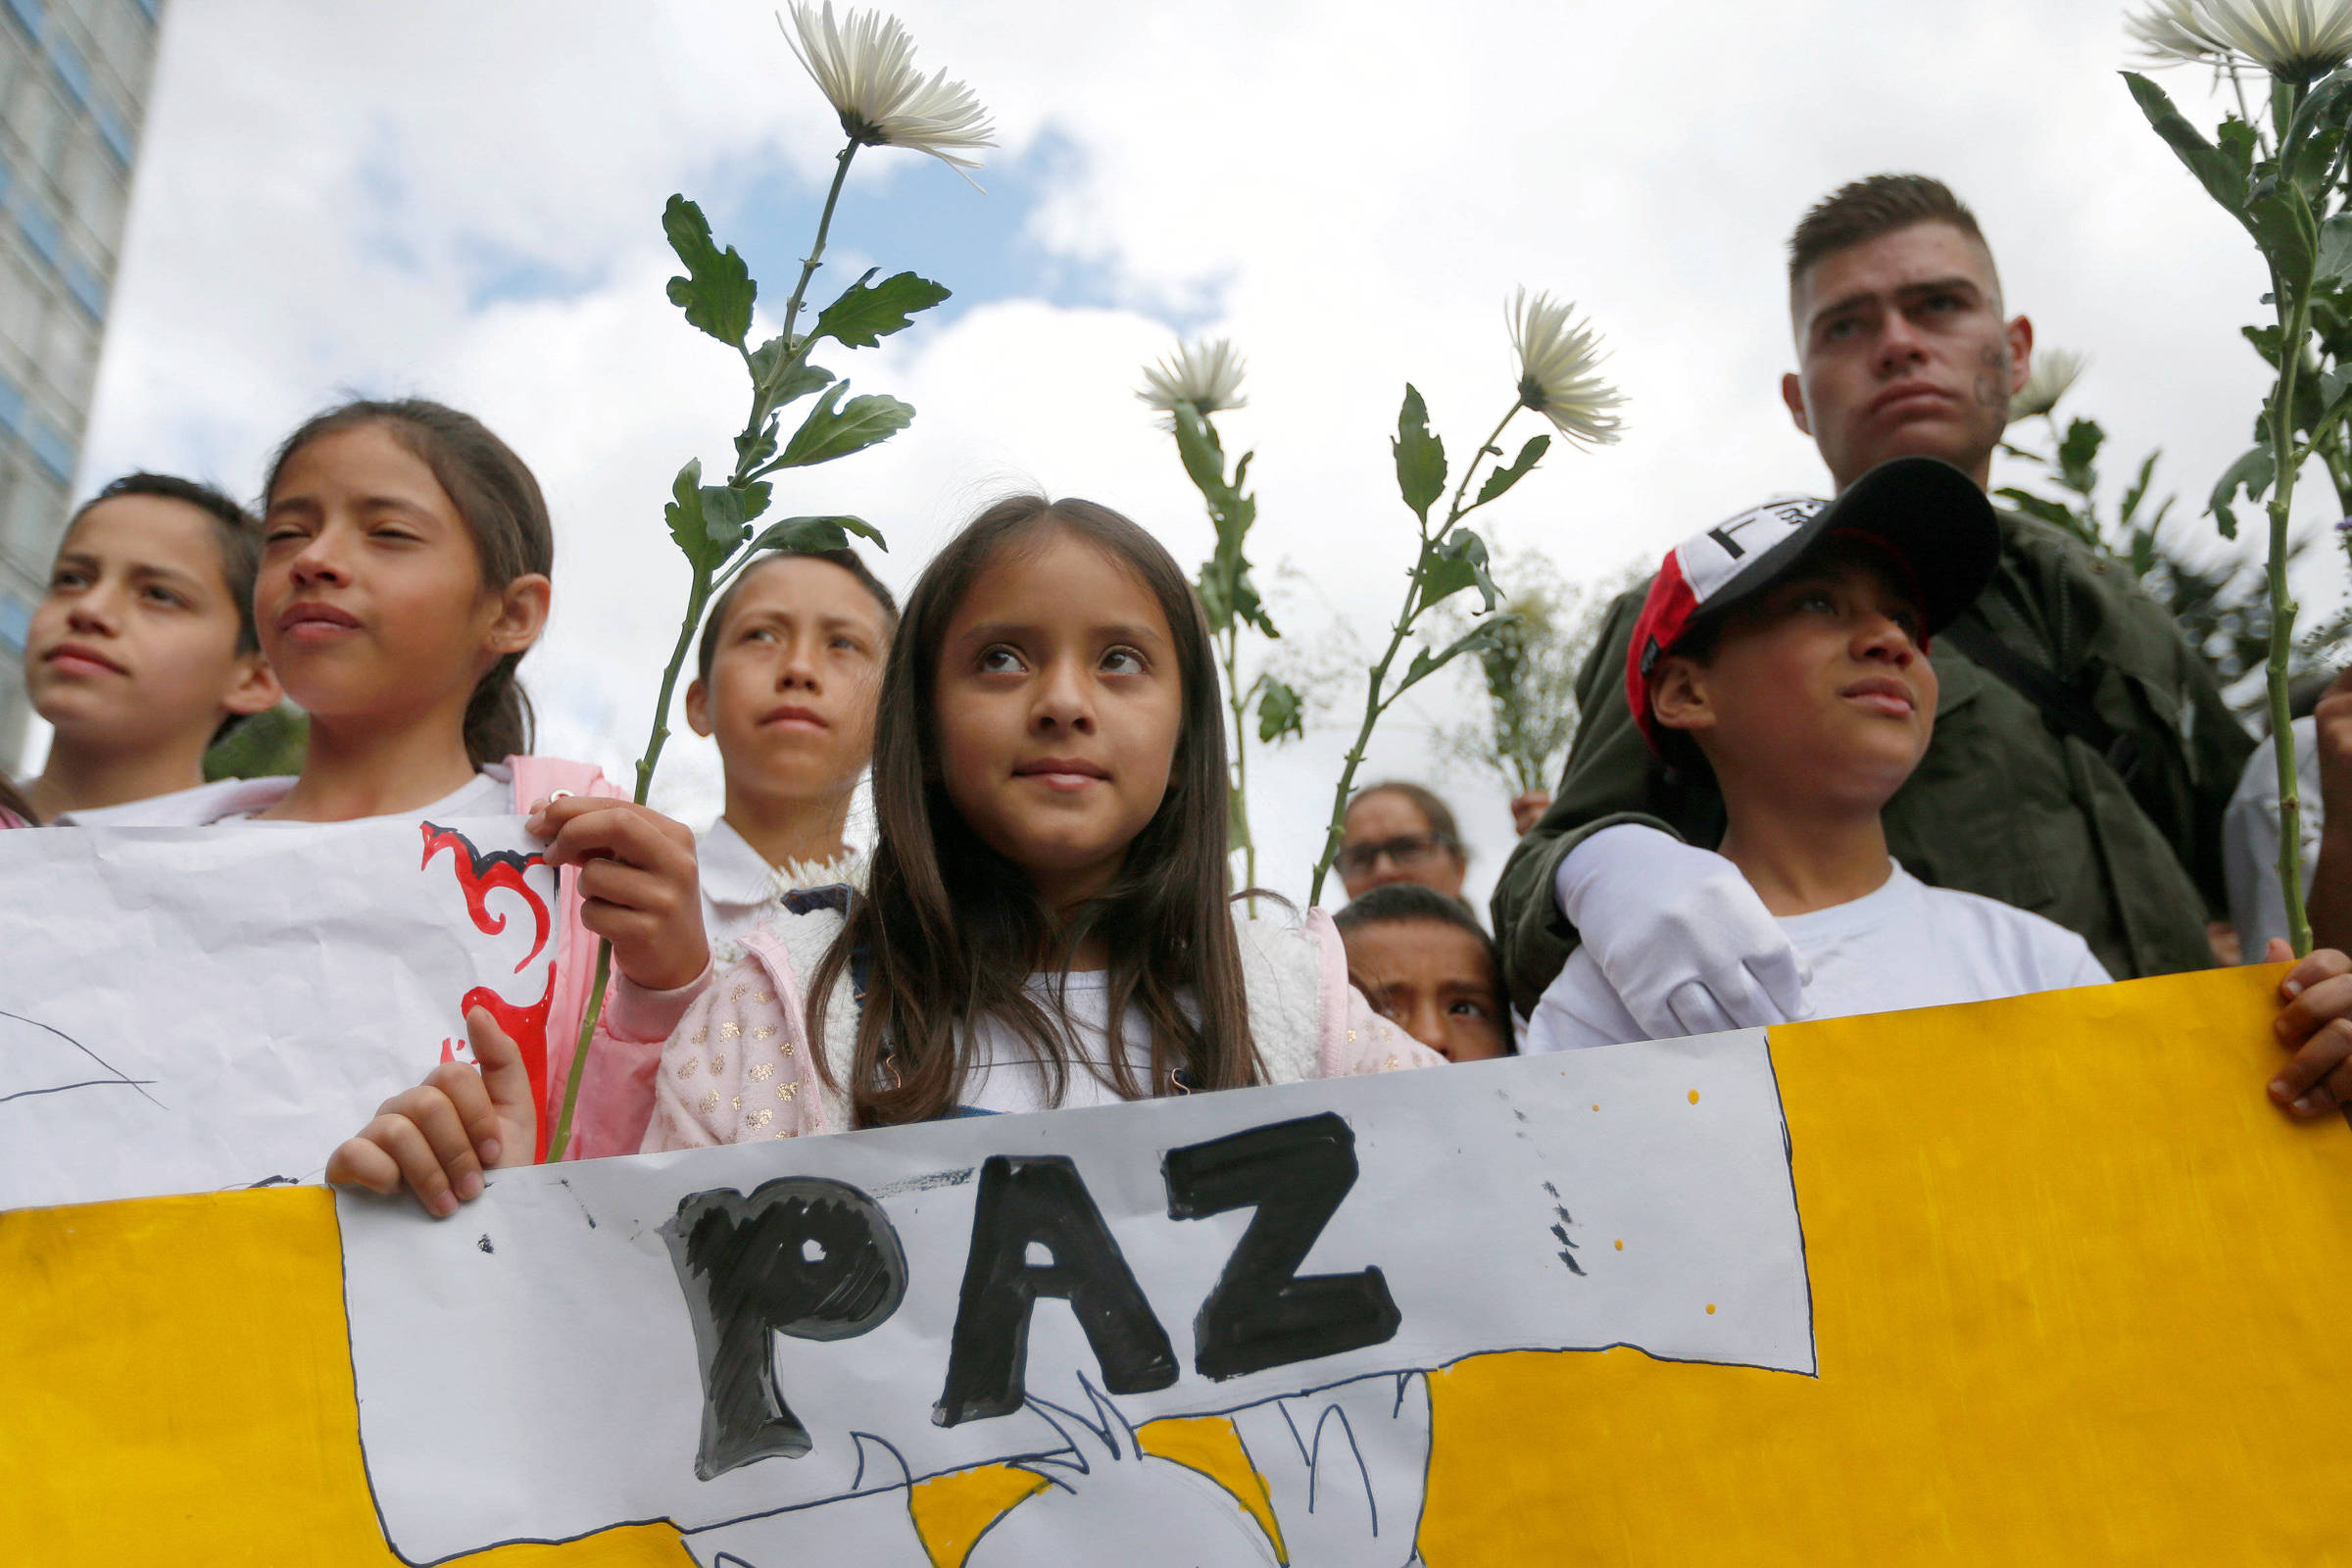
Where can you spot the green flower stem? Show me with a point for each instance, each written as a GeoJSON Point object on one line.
{"type": "Point", "coordinates": [2294, 322]}
{"type": "Point", "coordinates": [817, 252]}
{"type": "Point", "coordinates": [1375, 701]}
{"type": "Point", "coordinates": [697, 597]}
{"type": "Point", "coordinates": [1238, 701]}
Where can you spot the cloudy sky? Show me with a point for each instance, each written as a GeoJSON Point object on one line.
{"type": "Point", "coordinates": [462, 201]}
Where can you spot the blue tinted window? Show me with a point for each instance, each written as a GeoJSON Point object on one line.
{"type": "Point", "coordinates": [83, 285]}
{"type": "Point", "coordinates": [15, 623]}
{"type": "Point", "coordinates": [12, 405]}
{"type": "Point", "coordinates": [113, 133]}
{"type": "Point", "coordinates": [51, 448]}
{"type": "Point", "coordinates": [71, 73]}
{"type": "Point", "coordinates": [28, 13]}
{"type": "Point", "coordinates": [38, 224]}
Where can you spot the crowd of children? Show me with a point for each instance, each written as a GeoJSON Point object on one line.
{"type": "Point", "coordinates": [1045, 915]}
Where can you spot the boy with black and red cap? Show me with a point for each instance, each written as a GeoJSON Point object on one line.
{"type": "Point", "coordinates": [1783, 651]}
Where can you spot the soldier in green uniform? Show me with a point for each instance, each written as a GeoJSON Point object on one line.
{"type": "Point", "coordinates": [2083, 755]}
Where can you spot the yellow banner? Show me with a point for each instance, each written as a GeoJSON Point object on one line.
{"type": "Point", "coordinates": [2076, 1291]}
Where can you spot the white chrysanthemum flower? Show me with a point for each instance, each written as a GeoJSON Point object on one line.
{"type": "Point", "coordinates": [2294, 40]}
{"type": "Point", "coordinates": [2054, 373]}
{"type": "Point", "coordinates": [1558, 362]}
{"type": "Point", "coordinates": [1205, 374]}
{"type": "Point", "coordinates": [866, 67]}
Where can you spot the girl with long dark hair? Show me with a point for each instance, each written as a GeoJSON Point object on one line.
{"type": "Point", "coordinates": [1048, 921]}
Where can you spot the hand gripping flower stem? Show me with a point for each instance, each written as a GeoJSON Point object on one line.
{"type": "Point", "coordinates": [865, 70]}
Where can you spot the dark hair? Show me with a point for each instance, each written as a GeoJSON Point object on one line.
{"type": "Point", "coordinates": [1859, 213]}
{"type": "Point", "coordinates": [1399, 903]}
{"type": "Point", "coordinates": [846, 559]}
{"type": "Point", "coordinates": [949, 930]}
{"type": "Point", "coordinates": [1433, 810]}
{"type": "Point", "coordinates": [235, 532]}
{"type": "Point", "coordinates": [496, 494]}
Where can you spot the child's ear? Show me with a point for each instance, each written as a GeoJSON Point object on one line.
{"type": "Point", "coordinates": [253, 688]}
{"type": "Point", "coordinates": [521, 613]}
{"type": "Point", "coordinates": [1678, 697]}
{"type": "Point", "coordinates": [698, 709]}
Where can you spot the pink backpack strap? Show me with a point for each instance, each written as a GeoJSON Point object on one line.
{"type": "Point", "coordinates": [537, 778]}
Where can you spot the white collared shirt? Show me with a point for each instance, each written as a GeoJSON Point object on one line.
{"type": "Point", "coordinates": [742, 891]}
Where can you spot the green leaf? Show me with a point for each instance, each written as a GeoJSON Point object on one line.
{"type": "Point", "coordinates": [684, 513]}
{"type": "Point", "coordinates": [1236, 821]}
{"type": "Point", "coordinates": [863, 315]}
{"type": "Point", "coordinates": [2043, 509]}
{"type": "Point", "coordinates": [779, 379]}
{"type": "Point", "coordinates": [2313, 134]}
{"type": "Point", "coordinates": [835, 429]}
{"type": "Point", "coordinates": [2289, 236]}
{"type": "Point", "coordinates": [2253, 471]}
{"type": "Point", "coordinates": [1426, 663]}
{"type": "Point", "coordinates": [1503, 479]}
{"type": "Point", "coordinates": [2336, 252]}
{"type": "Point", "coordinates": [1281, 711]}
{"type": "Point", "coordinates": [2217, 170]}
{"type": "Point", "coordinates": [1455, 563]}
{"type": "Point", "coordinates": [718, 290]}
{"type": "Point", "coordinates": [1203, 459]}
{"type": "Point", "coordinates": [816, 533]}
{"type": "Point", "coordinates": [2076, 454]}
{"type": "Point", "coordinates": [1420, 456]}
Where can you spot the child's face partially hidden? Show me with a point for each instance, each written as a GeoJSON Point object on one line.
{"type": "Point", "coordinates": [1435, 981]}
{"type": "Point", "coordinates": [1817, 693]}
{"type": "Point", "coordinates": [1058, 705]}
{"type": "Point", "coordinates": [371, 601]}
{"type": "Point", "coordinates": [135, 644]}
{"type": "Point", "coordinates": [792, 679]}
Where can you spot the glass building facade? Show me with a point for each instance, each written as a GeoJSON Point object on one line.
{"type": "Point", "coordinates": [73, 78]}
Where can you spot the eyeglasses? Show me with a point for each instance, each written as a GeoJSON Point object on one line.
{"type": "Point", "coordinates": [1407, 853]}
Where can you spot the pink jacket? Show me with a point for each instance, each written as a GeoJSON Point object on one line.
{"type": "Point", "coordinates": [741, 1065]}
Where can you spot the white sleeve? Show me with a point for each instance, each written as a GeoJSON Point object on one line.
{"type": "Point", "coordinates": [1579, 1008]}
{"type": "Point", "coordinates": [2251, 854]}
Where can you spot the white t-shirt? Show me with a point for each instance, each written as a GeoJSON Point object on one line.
{"type": "Point", "coordinates": [1004, 1075]}
{"type": "Point", "coordinates": [2250, 839]}
{"type": "Point", "coordinates": [1907, 945]}
{"type": "Point", "coordinates": [489, 792]}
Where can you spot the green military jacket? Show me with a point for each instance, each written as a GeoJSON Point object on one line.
{"type": "Point", "coordinates": [2001, 805]}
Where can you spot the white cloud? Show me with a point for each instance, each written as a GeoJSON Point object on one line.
{"type": "Point", "coordinates": [1353, 190]}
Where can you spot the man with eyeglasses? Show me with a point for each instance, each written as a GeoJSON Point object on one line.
{"type": "Point", "coordinates": [1398, 832]}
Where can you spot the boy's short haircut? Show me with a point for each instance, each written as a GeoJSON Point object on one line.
{"type": "Point", "coordinates": [1408, 901]}
{"type": "Point", "coordinates": [1863, 210]}
{"type": "Point", "coordinates": [1398, 903]}
{"type": "Point", "coordinates": [236, 531]}
{"type": "Point", "coordinates": [846, 559]}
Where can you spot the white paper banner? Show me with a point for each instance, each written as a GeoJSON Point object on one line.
{"type": "Point", "coordinates": [716, 1336]}
{"type": "Point", "coordinates": [184, 1009]}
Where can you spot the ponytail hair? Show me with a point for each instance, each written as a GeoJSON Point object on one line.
{"type": "Point", "coordinates": [499, 498]}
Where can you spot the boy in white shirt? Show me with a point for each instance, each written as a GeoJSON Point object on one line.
{"type": "Point", "coordinates": [1786, 650]}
